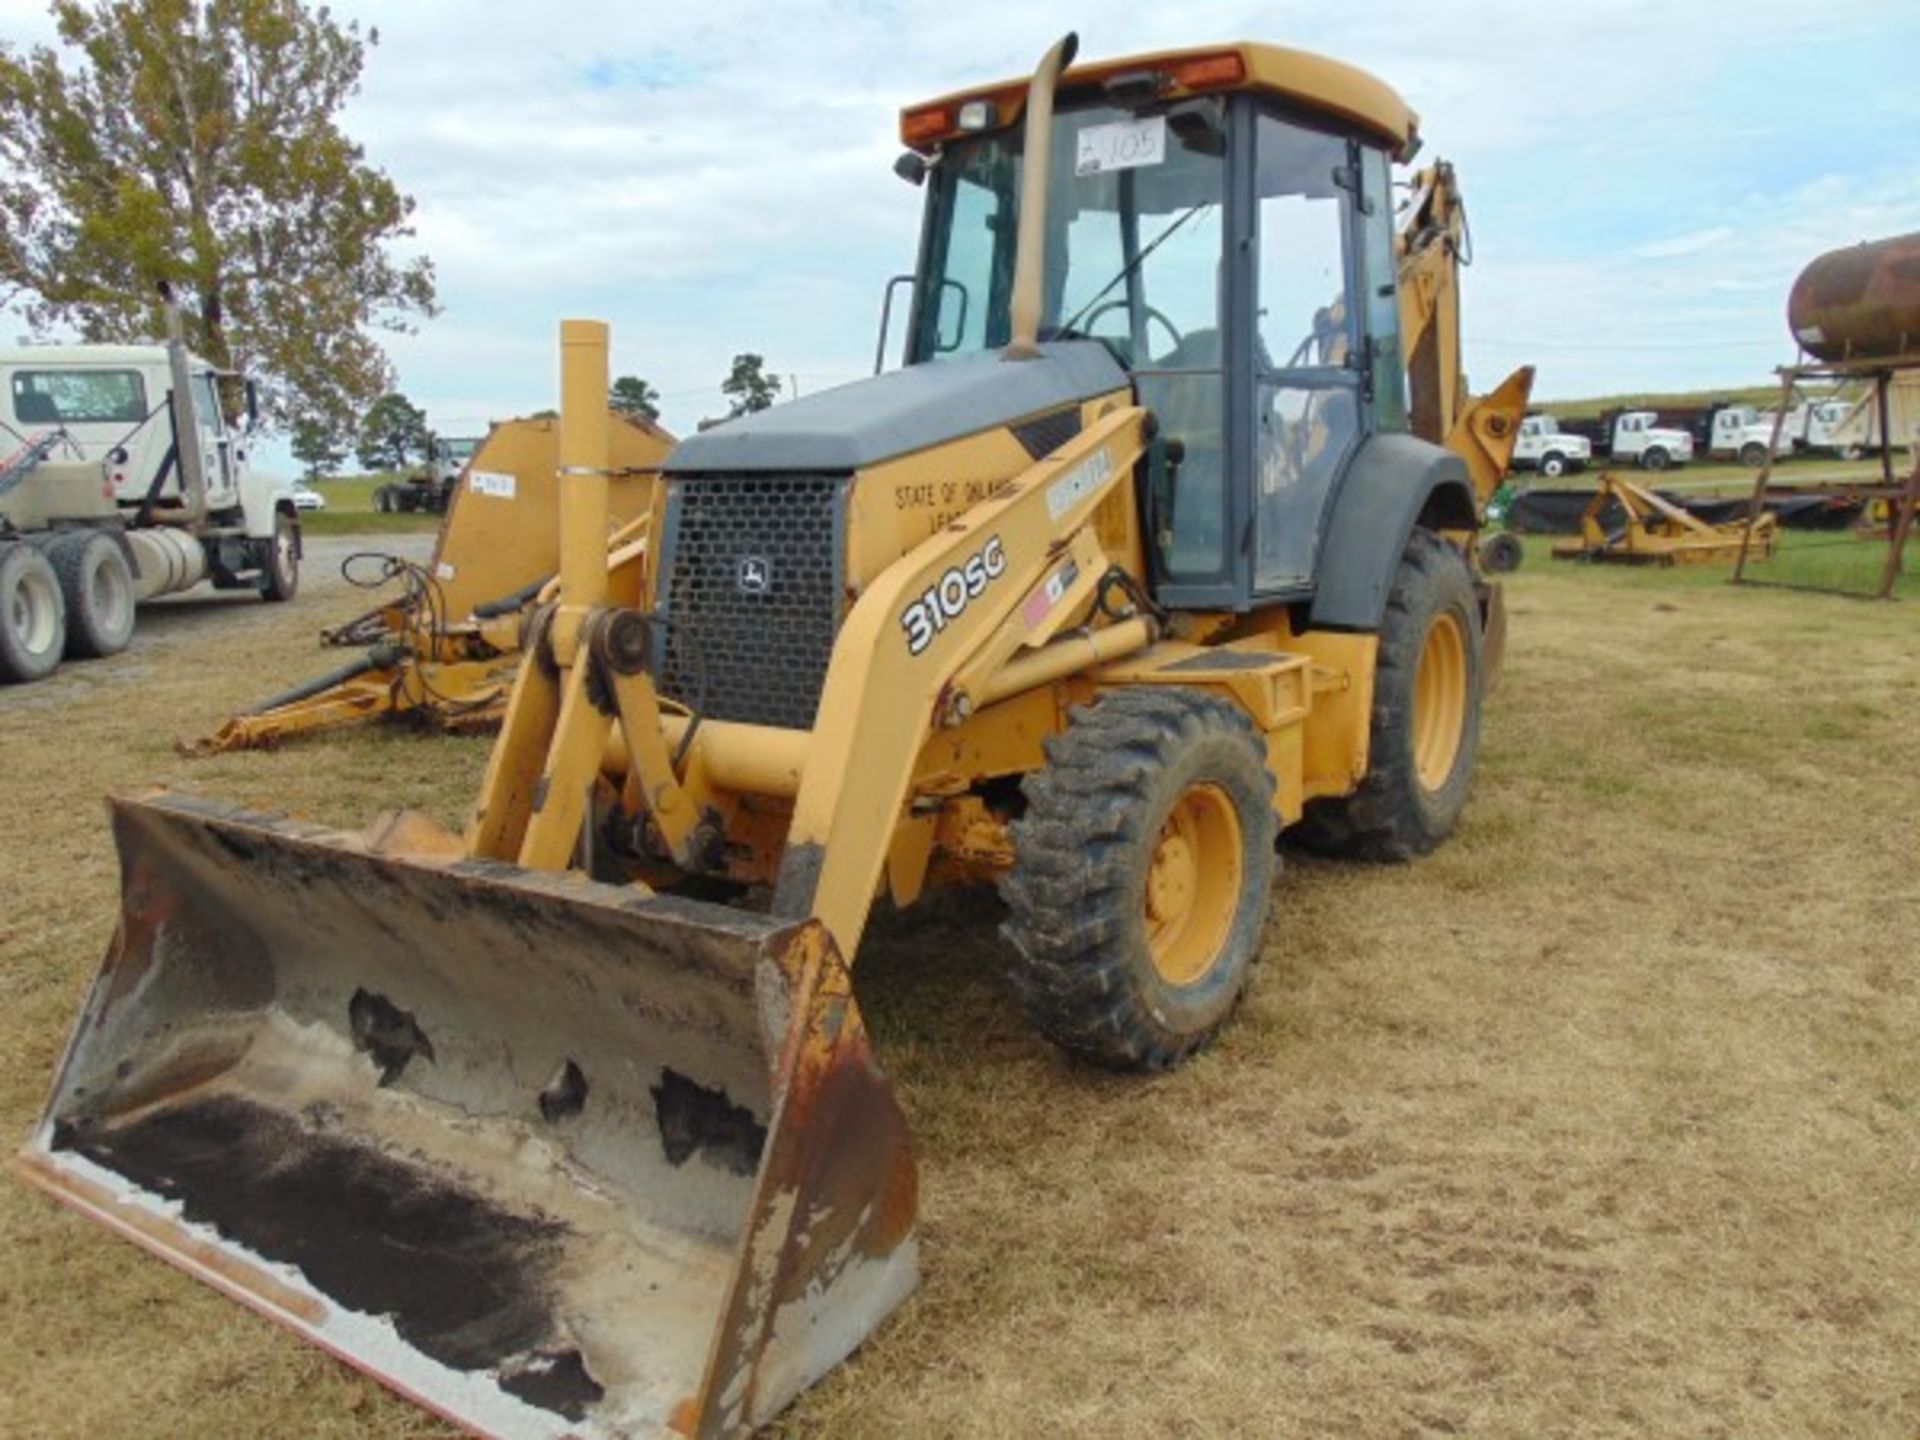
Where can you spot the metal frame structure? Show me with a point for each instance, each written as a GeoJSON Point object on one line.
{"type": "Point", "coordinates": [1902, 497]}
{"type": "Point", "coordinates": [1655, 531]}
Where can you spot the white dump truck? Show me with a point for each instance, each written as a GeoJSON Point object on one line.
{"type": "Point", "coordinates": [1639, 437]}
{"type": "Point", "coordinates": [1743, 433]}
{"type": "Point", "coordinates": [1544, 446]}
{"type": "Point", "coordinates": [121, 479]}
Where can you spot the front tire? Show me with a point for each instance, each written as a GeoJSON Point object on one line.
{"type": "Point", "coordinates": [1553, 465]}
{"type": "Point", "coordinates": [33, 616]}
{"type": "Point", "coordinates": [97, 585]}
{"type": "Point", "coordinates": [280, 566]}
{"type": "Point", "coordinates": [1426, 716]}
{"type": "Point", "coordinates": [1753, 455]}
{"type": "Point", "coordinates": [1654, 458]}
{"type": "Point", "coordinates": [1142, 876]}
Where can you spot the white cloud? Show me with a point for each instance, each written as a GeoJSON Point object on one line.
{"type": "Point", "coordinates": [716, 178]}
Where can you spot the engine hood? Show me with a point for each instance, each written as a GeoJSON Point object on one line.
{"type": "Point", "coordinates": [869, 421]}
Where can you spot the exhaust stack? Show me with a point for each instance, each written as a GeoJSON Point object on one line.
{"type": "Point", "coordinates": [1030, 263]}
{"type": "Point", "coordinates": [186, 429]}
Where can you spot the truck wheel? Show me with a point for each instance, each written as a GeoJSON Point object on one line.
{"type": "Point", "coordinates": [1426, 716]}
{"type": "Point", "coordinates": [1655, 458]}
{"type": "Point", "coordinates": [1553, 464]}
{"type": "Point", "coordinates": [1753, 454]}
{"type": "Point", "coordinates": [33, 618]}
{"type": "Point", "coordinates": [96, 584]}
{"type": "Point", "coordinates": [1141, 876]}
{"type": "Point", "coordinates": [1848, 452]}
{"type": "Point", "coordinates": [1501, 553]}
{"type": "Point", "coordinates": [280, 566]}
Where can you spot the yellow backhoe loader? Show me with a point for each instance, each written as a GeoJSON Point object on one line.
{"type": "Point", "coordinates": [1150, 552]}
{"type": "Point", "coordinates": [444, 652]}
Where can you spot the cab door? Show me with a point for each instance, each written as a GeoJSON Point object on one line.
{"type": "Point", "coordinates": [216, 440]}
{"type": "Point", "coordinates": [1311, 359]}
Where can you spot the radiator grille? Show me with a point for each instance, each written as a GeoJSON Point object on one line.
{"type": "Point", "coordinates": [750, 588]}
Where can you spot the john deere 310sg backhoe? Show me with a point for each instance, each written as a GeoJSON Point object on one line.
{"type": "Point", "coordinates": [1155, 548]}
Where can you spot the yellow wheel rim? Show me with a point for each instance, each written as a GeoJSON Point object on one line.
{"type": "Point", "coordinates": [1193, 884]}
{"type": "Point", "coordinates": [1440, 701]}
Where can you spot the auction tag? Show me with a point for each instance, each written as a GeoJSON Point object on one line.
{"type": "Point", "coordinates": [1123, 145]}
{"type": "Point", "coordinates": [490, 482]}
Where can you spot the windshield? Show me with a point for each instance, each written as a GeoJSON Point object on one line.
{"type": "Point", "coordinates": [1134, 242]}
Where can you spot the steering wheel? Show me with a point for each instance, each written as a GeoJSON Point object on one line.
{"type": "Point", "coordinates": [1093, 319]}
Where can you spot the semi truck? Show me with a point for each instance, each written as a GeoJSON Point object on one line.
{"type": "Point", "coordinates": [122, 478]}
{"type": "Point", "coordinates": [430, 487]}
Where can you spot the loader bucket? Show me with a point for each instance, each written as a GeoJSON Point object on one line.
{"type": "Point", "coordinates": [548, 1156]}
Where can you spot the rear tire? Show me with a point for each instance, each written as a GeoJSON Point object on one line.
{"type": "Point", "coordinates": [97, 585]}
{"type": "Point", "coordinates": [1142, 876]}
{"type": "Point", "coordinates": [1426, 716]}
{"type": "Point", "coordinates": [33, 616]}
{"type": "Point", "coordinates": [280, 566]}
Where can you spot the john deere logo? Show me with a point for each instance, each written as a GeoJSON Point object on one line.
{"type": "Point", "coordinates": [755, 575]}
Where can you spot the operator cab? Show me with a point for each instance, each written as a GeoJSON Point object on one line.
{"type": "Point", "coordinates": [1222, 221]}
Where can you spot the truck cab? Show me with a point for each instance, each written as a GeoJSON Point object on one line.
{"type": "Point", "coordinates": [1743, 433]}
{"type": "Point", "coordinates": [1639, 436]}
{"type": "Point", "coordinates": [1542, 445]}
{"type": "Point", "coordinates": [110, 402]}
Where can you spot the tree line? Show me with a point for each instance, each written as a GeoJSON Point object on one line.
{"type": "Point", "coordinates": [197, 142]}
{"type": "Point", "coordinates": [393, 434]}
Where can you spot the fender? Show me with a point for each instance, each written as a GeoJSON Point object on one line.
{"type": "Point", "coordinates": [1394, 483]}
{"type": "Point", "coordinates": [262, 497]}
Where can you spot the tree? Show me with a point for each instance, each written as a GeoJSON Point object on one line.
{"type": "Point", "coordinates": [748, 387]}
{"type": "Point", "coordinates": [197, 141]}
{"type": "Point", "coordinates": [317, 447]}
{"type": "Point", "coordinates": [394, 429]}
{"type": "Point", "coordinates": [633, 396]}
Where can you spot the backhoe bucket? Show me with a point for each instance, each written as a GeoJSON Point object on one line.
{"type": "Point", "coordinates": [548, 1156]}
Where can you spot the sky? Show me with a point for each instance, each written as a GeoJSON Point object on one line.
{"type": "Point", "coordinates": [1644, 178]}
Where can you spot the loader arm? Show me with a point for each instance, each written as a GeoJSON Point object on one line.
{"type": "Point", "coordinates": [1434, 245]}
{"type": "Point", "coordinates": [895, 658]}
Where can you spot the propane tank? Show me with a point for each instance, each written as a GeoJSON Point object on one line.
{"type": "Point", "coordinates": [1861, 303]}
{"type": "Point", "coordinates": [168, 559]}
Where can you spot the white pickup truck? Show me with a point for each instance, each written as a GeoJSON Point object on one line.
{"type": "Point", "coordinates": [1543, 446]}
{"type": "Point", "coordinates": [1639, 436]}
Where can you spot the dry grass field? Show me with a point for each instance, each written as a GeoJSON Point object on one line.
{"type": "Point", "coordinates": [1605, 1120]}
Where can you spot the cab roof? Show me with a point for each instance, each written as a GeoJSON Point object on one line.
{"type": "Point", "coordinates": [35, 356]}
{"type": "Point", "coordinates": [1297, 78]}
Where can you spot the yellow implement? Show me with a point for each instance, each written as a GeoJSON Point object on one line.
{"type": "Point", "coordinates": [1628, 524]}
{"type": "Point", "coordinates": [444, 654]}
{"type": "Point", "coordinates": [1129, 568]}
